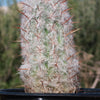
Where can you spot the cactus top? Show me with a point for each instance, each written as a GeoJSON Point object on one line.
{"type": "Point", "coordinates": [50, 62]}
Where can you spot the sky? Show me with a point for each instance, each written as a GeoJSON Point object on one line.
{"type": "Point", "coordinates": [4, 2]}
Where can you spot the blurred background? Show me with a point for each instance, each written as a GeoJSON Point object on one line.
{"type": "Point", "coordinates": [86, 17]}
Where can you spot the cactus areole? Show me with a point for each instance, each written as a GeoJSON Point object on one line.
{"type": "Point", "coordinates": [50, 62]}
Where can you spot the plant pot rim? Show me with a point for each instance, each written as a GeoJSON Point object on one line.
{"type": "Point", "coordinates": [83, 92]}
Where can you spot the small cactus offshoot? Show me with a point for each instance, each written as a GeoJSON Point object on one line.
{"type": "Point", "coordinates": [50, 61]}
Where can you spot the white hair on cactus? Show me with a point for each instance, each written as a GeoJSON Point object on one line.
{"type": "Point", "coordinates": [50, 61]}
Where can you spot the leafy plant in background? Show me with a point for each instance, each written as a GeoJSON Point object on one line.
{"type": "Point", "coordinates": [9, 50]}
{"type": "Point", "coordinates": [88, 39]}
{"type": "Point", "coordinates": [87, 14]}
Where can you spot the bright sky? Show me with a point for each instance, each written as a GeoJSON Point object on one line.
{"type": "Point", "coordinates": [4, 2]}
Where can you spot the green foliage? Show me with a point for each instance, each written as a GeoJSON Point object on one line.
{"type": "Point", "coordinates": [9, 61]}
{"type": "Point", "coordinates": [87, 13]}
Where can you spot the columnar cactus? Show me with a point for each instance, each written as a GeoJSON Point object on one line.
{"type": "Point", "coordinates": [50, 61]}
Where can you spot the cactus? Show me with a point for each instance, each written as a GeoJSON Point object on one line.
{"type": "Point", "coordinates": [50, 60]}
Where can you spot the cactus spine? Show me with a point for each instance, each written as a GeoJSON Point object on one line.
{"type": "Point", "coordinates": [50, 61]}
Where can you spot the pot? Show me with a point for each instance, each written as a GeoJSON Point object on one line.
{"type": "Point", "coordinates": [19, 94]}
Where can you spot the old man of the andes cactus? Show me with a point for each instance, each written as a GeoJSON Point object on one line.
{"type": "Point", "coordinates": [50, 61]}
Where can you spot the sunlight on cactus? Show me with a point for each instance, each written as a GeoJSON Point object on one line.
{"type": "Point", "coordinates": [50, 61]}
